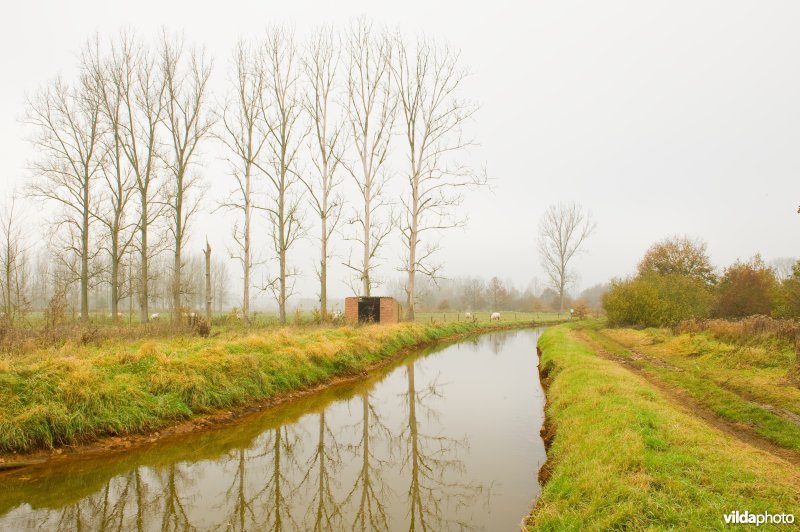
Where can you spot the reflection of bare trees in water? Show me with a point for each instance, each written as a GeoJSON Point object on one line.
{"type": "Point", "coordinates": [431, 460]}
{"type": "Point", "coordinates": [122, 504]}
{"type": "Point", "coordinates": [174, 516]}
{"type": "Point", "coordinates": [497, 341]}
{"type": "Point", "coordinates": [325, 461]}
{"type": "Point", "coordinates": [369, 491]}
{"type": "Point", "coordinates": [241, 513]}
{"type": "Point", "coordinates": [275, 495]}
{"type": "Point", "coordinates": [274, 481]}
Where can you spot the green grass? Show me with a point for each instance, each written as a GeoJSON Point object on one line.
{"type": "Point", "coordinates": [77, 393]}
{"type": "Point", "coordinates": [624, 456]}
{"type": "Point", "coordinates": [738, 383]}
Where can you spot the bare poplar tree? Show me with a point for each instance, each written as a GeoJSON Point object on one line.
{"type": "Point", "coordinates": [370, 116]}
{"type": "Point", "coordinates": [428, 78]}
{"type": "Point", "coordinates": [117, 186]}
{"type": "Point", "coordinates": [186, 76]}
{"type": "Point", "coordinates": [321, 64]}
{"type": "Point", "coordinates": [67, 121]}
{"type": "Point", "coordinates": [563, 229]}
{"type": "Point", "coordinates": [281, 110]}
{"type": "Point", "coordinates": [244, 135]}
{"type": "Point", "coordinates": [14, 264]}
{"type": "Point", "coordinates": [142, 85]}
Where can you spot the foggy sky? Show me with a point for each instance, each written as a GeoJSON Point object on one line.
{"type": "Point", "coordinates": [661, 117]}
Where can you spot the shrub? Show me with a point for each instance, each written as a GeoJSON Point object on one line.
{"type": "Point", "coordinates": [656, 300]}
{"type": "Point", "coordinates": [746, 289]}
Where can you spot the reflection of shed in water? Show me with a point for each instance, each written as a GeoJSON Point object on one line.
{"type": "Point", "coordinates": [371, 310]}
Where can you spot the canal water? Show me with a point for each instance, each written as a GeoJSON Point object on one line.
{"type": "Point", "coordinates": [446, 439]}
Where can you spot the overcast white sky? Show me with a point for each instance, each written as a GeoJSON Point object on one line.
{"type": "Point", "coordinates": [679, 117]}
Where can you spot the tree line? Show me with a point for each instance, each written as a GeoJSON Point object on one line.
{"type": "Point", "coordinates": [676, 281]}
{"type": "Point", "coordinates": [118, 159]}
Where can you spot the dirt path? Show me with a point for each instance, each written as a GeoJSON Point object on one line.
{"type": "Point", "coordinates": [690, 405]}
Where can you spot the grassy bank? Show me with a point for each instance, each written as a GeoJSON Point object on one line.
{"type": "Point", "coordinates": [626, 456]}
{"type": "Point", "coordinates": [78, 393]}
{"type": "Point", "coordinates": [747, 382]}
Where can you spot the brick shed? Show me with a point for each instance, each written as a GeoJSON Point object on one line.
{"type": "Point", "coordinates": [371, 310]}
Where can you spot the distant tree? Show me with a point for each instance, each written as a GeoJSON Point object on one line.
{"type": "Point", "coordinates": [745, 289]}
{"type": "Point", "coordinates": [473, 294]}
{"type": "Point", "coordinates": [563, 229]}
{"type": "Point", "coordinates": [681, 256]}
{"type": "Point", "coordinates": [593, 296]}
{"type": "Point", "coordinates": [14, 277]}
{"type": "Point", "coordinates": [498, 294]}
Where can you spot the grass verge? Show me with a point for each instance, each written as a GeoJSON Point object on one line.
{"type": "Point", "coordinates": [732, 381]}
{"type": "Point", "coordinates": [77, 394]}
{"type": "Point", "coordinates": [624, 456]}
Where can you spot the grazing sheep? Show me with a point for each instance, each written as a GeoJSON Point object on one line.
{"type": "Point", "coordinates": [468, 315]}
{"type": "Point", "coordinates": [155, 316]}
{"type": "Point", "coordinates": [495, 316]}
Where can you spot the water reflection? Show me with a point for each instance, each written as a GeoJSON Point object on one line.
{"type": "Point", "coordinates": [403, 450]}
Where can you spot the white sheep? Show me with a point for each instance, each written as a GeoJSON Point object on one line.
{"type": "Point", "coordinates": [155, 316]}
{"type": "Point", "coordinates": [468, 315]}
{"type": "Point", "coordinates": [495, 316]}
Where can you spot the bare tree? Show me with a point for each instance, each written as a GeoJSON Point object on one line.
{"type": "Point", "coordinates": [245, 137]}
{"type": "Point", "coordinates": [186, 78]}
{"type": "Point", "coordinates": [142, 85]}
{"type": "Point", "coordinates": [112, 77]}
{"type": "Point", "coordinates": [370, 115]}
{"type": "Point", "coordinates": [281, 111]}
{"type": "Point", "coordinates": [14, 264]}
{"type": "Point", "coordinates": [428, 78]}
{"type": "Point", "coordinates": [67, 120]}
{"type": "Point", "coordinates": [564, 227]}
{"type": "Point", "coordinates": [321, 65]}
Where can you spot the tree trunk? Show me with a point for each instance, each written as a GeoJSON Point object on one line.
{"type": "Point", "coordinates": [246, 265]}
{"type": "Point", "coordinates": [412, 254]}
{"type": "Point", "coordinates": [114, 282]}
{"type": "Point", "coordinates": [144, 296]}
{"type": "Point", "coordinates": [209, 297]}
{"type": "Point", "coordinates": [176, 286]}
{"type": "Point", "coordinates": [323, 265]}
{"type": "Point", "coordinates": [366, 266]}
{"type": "Point", "coordinates": [85, 258]}
{"type": "Point", "coordinates": [282, 257]}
